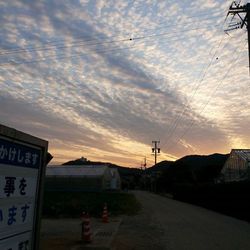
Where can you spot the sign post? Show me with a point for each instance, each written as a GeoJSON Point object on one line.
{"type": "Point", "coordinates": [22, 169]}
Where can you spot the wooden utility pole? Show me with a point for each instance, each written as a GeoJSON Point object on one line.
{"type": "Point", "coordinates": [156, 150]}
{"type": "Point", "coordinates": [248, 31]}
{"type": "Point", "coordinates": [144, 164]}
{"type": "Point", "coordinates": [237, 9]}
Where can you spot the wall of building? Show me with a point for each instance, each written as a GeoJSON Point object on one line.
{"type": "Point", "coordinates": [74, 184]}
{"type": "Point", "coordinates": [109, 181]}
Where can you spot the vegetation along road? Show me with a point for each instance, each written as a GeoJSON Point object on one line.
{"type": "Point", "coordinates": [164, 223]}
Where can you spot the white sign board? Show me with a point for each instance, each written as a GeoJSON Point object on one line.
{"type": "Point", "coordinates": [20, 172]}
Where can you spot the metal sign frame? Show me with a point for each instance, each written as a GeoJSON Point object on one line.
{"type": "Point", "coordinates": [23, 140]}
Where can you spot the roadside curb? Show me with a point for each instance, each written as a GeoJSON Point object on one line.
{"type": "Point", "coordinates": [103, 237]}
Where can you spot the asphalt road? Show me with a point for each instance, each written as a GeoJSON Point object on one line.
{"type": "Point", "coordinates": [168, 224]}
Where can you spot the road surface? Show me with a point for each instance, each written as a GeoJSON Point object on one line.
{"type": "Point", "coordinates": [164, 223]}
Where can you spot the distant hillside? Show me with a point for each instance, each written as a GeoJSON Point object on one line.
{"type": "Point", "coordinates": [81, 162]}
{"type": "Point", "coordinates": [198, 168]}
{"type": "Point", "coordinates": [122, 170]}
{"type": "Point", "coordinates": [202, 160]}
{"type": "Point", "coordinates": [192, 169]}
{"type": "Point", "coordinates": [161, 166]}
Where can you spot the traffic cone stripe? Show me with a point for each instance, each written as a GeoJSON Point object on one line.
{"type": "Point", "coordinates": [86, 234]}
{"type": "Point", "coordinates": [105, 214]}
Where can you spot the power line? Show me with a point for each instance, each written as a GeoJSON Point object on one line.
{"type": "Point", "coordinates": [122, 40]}
{"type": "Point", "coordinates": [178, 120]}
{"type": "Point", "coordinates": [118, 48]}
{"type": "Point", "coordinates": [54, 44]}
{"type": "Point", "coordinates": [81, 43]}
{"type": "Point", "coordinates": [234, 61]}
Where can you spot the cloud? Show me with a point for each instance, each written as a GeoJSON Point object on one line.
{"type": "Point", "coordinates": [80, 82]}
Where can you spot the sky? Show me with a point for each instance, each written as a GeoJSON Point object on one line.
{"type": "Point", "coordinates": [103, 79]}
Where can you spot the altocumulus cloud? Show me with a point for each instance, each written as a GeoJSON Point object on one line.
{"type": "Point", "coordinates": [105, 78]}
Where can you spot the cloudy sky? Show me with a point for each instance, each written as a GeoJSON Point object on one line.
{"type": "Point", "coordinates": [102, 79]}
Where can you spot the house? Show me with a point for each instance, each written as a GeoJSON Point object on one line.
{"type": "Point", "coordinates": [237, 166]}
{"type": "Point", "coordinates": [82, 178]}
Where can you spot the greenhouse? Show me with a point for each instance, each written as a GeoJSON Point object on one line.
{"type": "Point", "coordinates": [82, 178]}
{"type": "Point", "coordinates": [237, 166]}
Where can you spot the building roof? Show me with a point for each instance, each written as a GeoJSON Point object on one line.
{"type": "Point", "coordinates": [243, 153]}
{"type": "Point", "coordinates": [76, 170]}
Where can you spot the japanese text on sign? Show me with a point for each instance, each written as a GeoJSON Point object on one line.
{"type": "Point", "coordinates": [21, 242]}
{"type": "Point", "coordinates": [19, 155]}
{"type": "Point", "coordinates": [19, 172]}
{"type": "Point", "coordinates": [17, 186]}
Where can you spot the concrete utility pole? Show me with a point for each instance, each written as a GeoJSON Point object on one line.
{"type": "Point", "coordinates": [237, 9]}
{"type": "Point", "coordinates": [156, 150]}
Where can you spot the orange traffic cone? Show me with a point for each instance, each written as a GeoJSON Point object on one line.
{"type": "Point", "coordinates": [105, 218]}
{"type": "Point", "coordinates": [86, 234]}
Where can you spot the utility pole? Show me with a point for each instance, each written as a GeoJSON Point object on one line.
{"type": "Point", "coordinates": [145, 163]}
{"type": "Point", "coordinates": [237, 9]}
{"type": "Point", "coordinates": [156, 150]}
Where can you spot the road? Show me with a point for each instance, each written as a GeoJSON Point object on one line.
{"type": "Point", "coordinates": [168, 224]}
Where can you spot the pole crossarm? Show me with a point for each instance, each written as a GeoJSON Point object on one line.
{"type": "Point", "coordinates": [156, 149]}
{"type": "Point", "coordinates": [240, 9]}
{"type": "Point", "coordinates": [236, 9]}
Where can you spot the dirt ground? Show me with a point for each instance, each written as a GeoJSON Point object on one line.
{"type": "Point", "coordinates": [59, 234]}
{"type": "Point", "coordinates": [162, 224]}
{"type": "Point", "coordinates": [168, 224]}
{"type": "Point", "coordinates": [139, 232]}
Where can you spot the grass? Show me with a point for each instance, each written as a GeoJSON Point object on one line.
{"type": "Point", "coordinates": [62, 204]}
